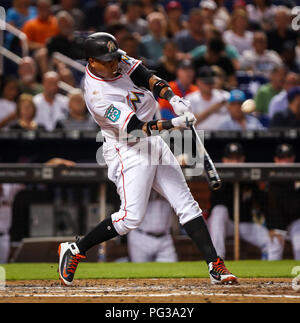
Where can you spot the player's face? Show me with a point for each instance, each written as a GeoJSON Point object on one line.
{"type": "Point", "coordinates": [105, 69]}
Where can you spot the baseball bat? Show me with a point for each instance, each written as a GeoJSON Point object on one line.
{"type": "Point", "coordinates": [212, 175]}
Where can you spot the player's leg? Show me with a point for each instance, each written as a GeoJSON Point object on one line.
{"type": "Point", "coordinates": [166, 251]}
{"type": "Point", "coordinates": [171, 184]}
{"type": "Point", "coordinates": [276, 247]}
{"type": "Point", "coordinates": [4, 248]}
{"type": "Point", "coordinates": [141, 248]}
{"type": "Point", "coordinates": [256, 234]}
{"type": "Point", "coordinates": [294, 231]}
{"type": "Point", "coordinates": [133, 182]}
{"type": "Point", "coordinates": [220, 226]}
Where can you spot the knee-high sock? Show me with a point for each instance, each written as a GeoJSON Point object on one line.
{"type": "Point", "coordinates": [103, 232]}
{"type": "Point", "coordinates": [198, 232]}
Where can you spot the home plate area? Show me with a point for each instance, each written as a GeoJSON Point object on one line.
{"type": "Point", "coordinates": [151, 291]}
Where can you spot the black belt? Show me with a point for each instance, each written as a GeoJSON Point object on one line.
{"type": "Point", "coordinates": [2, 234]}
{"type": "Point", "coordinates": [151, 234]}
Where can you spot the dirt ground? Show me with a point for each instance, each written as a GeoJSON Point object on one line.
{"type": "Point", "coordinates": [151, 291]}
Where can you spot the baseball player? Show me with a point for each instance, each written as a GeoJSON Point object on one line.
{"type": "Point", "coordinates": [120, 95]}
{"type": "Point", "coordinates": [152, 240]}
{"type": "Point", "coordinates": [7, 196]}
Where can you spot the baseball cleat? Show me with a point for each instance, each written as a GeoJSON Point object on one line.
{"type": "Point", "coordinates": [220, 275]}
{"type": "Point", "coordinates": [69, 257]}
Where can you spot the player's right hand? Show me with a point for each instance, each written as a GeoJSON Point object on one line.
{"type": "Point", "coordinates": [184, 121]}
{"type": "Point", "coordinates": [180, 105]}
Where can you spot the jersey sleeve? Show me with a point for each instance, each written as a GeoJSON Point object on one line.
{"type": "Point", "coordinates": [128, 64]}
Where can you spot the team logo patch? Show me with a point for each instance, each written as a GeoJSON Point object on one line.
{"type": "Point", "coordinates": [113, 114]}
{"type": "Point", "coordinates": [111, 46]}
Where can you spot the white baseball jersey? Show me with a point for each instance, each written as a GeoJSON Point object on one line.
{"type": "Point", "coordinates": [113, 102]}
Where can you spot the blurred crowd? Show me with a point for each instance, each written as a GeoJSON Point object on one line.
{"type": "Point", "coordinates": [217, 54]}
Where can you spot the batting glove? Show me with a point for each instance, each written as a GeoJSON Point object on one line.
{"type": "Point", "coordinates": [180, 105]}
{"type": "Point", "coordinates": [184, 121]}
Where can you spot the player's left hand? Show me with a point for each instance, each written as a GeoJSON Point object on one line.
{"type": "Point", "coordinates": [180, 105]}
{"type": "Point", "coordinates": [184, 121]}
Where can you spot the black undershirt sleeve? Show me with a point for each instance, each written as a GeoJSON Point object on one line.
{"type": "Point", "coordinates": [141, 76]}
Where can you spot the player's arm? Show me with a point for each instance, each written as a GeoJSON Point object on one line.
{"type": "Point", "coordinates": [143, 77]}
{"type": "Point", "coordinates": [184, 121]}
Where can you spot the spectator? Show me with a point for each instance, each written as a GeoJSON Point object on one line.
{"type": "Point", "coordinates": [51, 106]}
{"type": "Point", "coordinates": [130, 44]}
{"type": "Point", "coordinates": [220, 221]}
{"type": "Point", "coordinates": [152, 241]}
{"type": "Point", "coordinates": [215, 56]}
{"type": "Point", "coordinates": [8, 193]}
{"type": "Point", "coordinates": [193, 36]}
{"type": "Point", "coordinates": [150, 6]}
{"type": "Point", "coordinates": [290, 117]}
{"type": "Point", "coordinates": [9, 93]}
{"type": "Point", "coordinates": [211, 32]}
{"type": "Point", "coordinates": [182, 86]}
{"type": "Point", "coordinates": [132, 18]}
{"type": "Point", "coordinates": [78, 118]}
{"type": "Point", "coordinates": [175, 22]}
{"type": "Point", "coordinates": [18, 15]}
{"type": "Point", "coordinates": [167, 65]}
{"type": "Point", "coordinates": [221, 16]}
{"type": "Point", "coordinates": [26, 111]}
{"type": "Point", "coordinates": [259, 60]}
{"type": "Point", "coordinates": [283, 219]}
{"type": "Point", "coordinates": [71, 7]}
{"type": "Point", "coordinates": [280, 101]}
{"type": "Point", "coordinates": [27, 73]}
{"type": "Point", "coordinates": [41, 28]}
{"type": "Point", "coordinates": [65, 42]}
{"type": "Point", "coordinates": [267, 91]}
{"type": "Point", "coordinates": [151, 47]}
{"type": "Point", "coordinates": [238, 35]}
{"type": "Point", "coordinates": [238, 120]}
{"type": "Point", "coordinates": [94, 15]}
{"type": "Point", "coordinates": [112, 15]}
{"type": "Point", "coordinates": [208, 103]}
{"type": "Point", "coordinates": [282, 34]}
{"type": "Point", "coordinates": [261, 14]}
{"type": "Point", "coordinates": [289, 58]}
{"type": "Point", "coordinates": [298, 51]}
{"type": "Point", "coordinates": [118, 29]}
{"type": "Point", "coordinates": [209, 14]}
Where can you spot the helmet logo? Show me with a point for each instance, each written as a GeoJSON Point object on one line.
{"type": "Point", "coordinates": [111, 46]}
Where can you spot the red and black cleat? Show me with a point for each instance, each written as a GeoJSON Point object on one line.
{"type": "Point", "coordinates": [219, 274]}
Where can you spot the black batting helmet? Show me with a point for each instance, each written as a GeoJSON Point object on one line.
{"type": "Point", "coordinates": [102, 46]}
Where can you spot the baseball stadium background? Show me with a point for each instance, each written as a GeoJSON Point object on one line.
{"type": "Point", "coordinates": [61, 192]}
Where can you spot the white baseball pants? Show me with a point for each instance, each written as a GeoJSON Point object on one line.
{"type": "Point", "coordinates": [276, 248]}
{"type": "Point", "coordinates": [4, 248]}
{"type": "Point", "coordinates": [137, 169]}
{"type": "Point", "coordinates": [221, 226]}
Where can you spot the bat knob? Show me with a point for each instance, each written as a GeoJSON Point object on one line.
{"type": "Point", "coordinates": [216, 185]}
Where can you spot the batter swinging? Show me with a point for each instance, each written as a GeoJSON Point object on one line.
{"type": "Point", "coordinates": [120, 95]}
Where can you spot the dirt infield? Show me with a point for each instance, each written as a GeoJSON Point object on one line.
{"type": "Point", "coordinates": [151, 291]}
